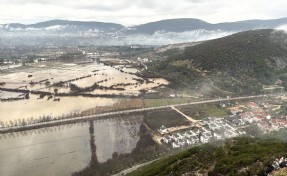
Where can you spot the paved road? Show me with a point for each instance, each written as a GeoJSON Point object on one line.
{"type": "Point", "coordinates": [82, 118]}
{"type": "Point", "coordinates": [129, 170]}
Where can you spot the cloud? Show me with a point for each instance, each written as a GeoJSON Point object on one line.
{"type": "Point", "coordinates": [282, 27]}
{"type": "Point", "coordinates": [139, 11]}
{"type": "Point", "coordinates": [162, 38]}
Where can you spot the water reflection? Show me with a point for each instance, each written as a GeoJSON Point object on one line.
{"type": "Point", "coordinates": [65, 149]}
{"type": "Point", "coordinates": [47, 151]}
{"type": "Point", "coordinates": [118, 135]}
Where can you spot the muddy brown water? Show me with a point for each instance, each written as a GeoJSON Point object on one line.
{"type": "Point", "coordinates": [56, 72]}
{"type": "Point", "coordinates": [35, 107]}
{"type": "Point", "coordinates": [63, 150]}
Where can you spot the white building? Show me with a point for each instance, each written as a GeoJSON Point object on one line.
{"type": "Point", "coordinates": [217, 136]}
{"type": "Point", "coordinates": [175, 145]}
{"type": "Point", "coordinates": [189, 142]}
{"type": "Point", "coordinates": [207, 134]}
{"type": "Point", "coordinates": [163, 129]}
{"type": "Point", "coordinates": [177, 136]}
{"type": "Point", "coordinates": [181, 142]}
{"type": "Point", "coordinates": [188, 134]}
{"type": "Point", "coordinates": [194, 139]}
{"type": "Point", "coordinates": [215, 126]}
{"type": "Point", "coordinates": [204, 139]}
{"type": "Point", "coordinates": [166, 139]}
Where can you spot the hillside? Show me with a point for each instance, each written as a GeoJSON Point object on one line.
{"type": "Point", "coordinates": [63, 25]}
{"type": "Point", "coordinates": [282, 172]}
{"type": "Point", "coordinates": [163, 32]}
{"type": "Point", "coordinates": [171, 25]}
{"type": "Point", "coordinates": [167, 25]}
{"type": "Point", "coordinates": [239, 157]}
{"type": "Point", "coordinates": [242, 62]}
{"type": "Point", "coordinates": [191, 24]}
{"type": "Point", "coordinates": [81, 25]}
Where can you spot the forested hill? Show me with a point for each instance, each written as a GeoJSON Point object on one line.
{"type": "Point", "coordinates": [260, 52]}
{"type": "Point", "coordinates": [190, 24]}
{"type": "Point", "coordinates": [238, 157]}
{"type": "Point", "coordinates": [257, 56]}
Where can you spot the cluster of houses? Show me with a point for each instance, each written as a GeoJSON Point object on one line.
{"type": "Point", "coordinates": [274, 124]}
{"type": "Point", "coordinates": [180, 139]}
{"type": "Point", "coordinates": [211, 129]}
{"type": "Point", "coordinates": [226, 127]}
{"type": "Point", "coordinates": [258, 115]}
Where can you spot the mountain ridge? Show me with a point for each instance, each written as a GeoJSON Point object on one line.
{"type": "Point", "coordinates": [200, 24]}
{"type": "Point", "coordinates": [164, 32]}
{"type": "Point", "coordinates": [167, 25]}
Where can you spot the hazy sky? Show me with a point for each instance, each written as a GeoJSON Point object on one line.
{"type": "Point", "coordinates": [129, 12]}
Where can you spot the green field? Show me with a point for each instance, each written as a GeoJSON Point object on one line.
{"type": "Point", "coordinates": [201, 111]}
{"type": "Point", "coordinates": [166, 101]}
{"type": "Point", "coordinates": [168, 118]}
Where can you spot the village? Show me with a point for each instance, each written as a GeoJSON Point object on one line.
{"type": "Point", "coordinates": [256, 115]}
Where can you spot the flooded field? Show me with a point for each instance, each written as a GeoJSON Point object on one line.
{"type": "Point", "coordinates": [46, 151]}
{"type": "Point", "coordinates": [109, 145]}
{"type": "Point", "coordinates": [34, 107]}
{"type": "Point", "coordinates": [6, 95]}
{"type": "Point", "coordinates": [66, 149]}
{"type": "Point", "coordinates": [56, 78]}
{"type": "Point", "coordinates": [42, 78]}
{"type": "Point", "coordinates": [122, 135]}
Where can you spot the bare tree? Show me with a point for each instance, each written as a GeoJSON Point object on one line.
{"type": "Point", "coordinates": [11, 123]}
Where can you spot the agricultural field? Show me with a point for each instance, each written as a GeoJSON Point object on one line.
{"type": "Point", "coordinates": [166, 117]}
{"type": "Point", "coordinates": [201, 111]}
{"type": "Point", "coordinates": [166, 101]}
{"type": "Point", "coordinates": [67, 88]}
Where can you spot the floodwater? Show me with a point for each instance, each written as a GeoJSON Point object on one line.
{"type": "Point", "coordinates": [56, 72]}
{"type": "Point", "coordinates": [47, 152]}
{"type": "Point", "coordinates": [65, 149]}
{"type": "Point", "coordinates": [64, 72]}
{"type": "Point", "coordinates": [6, 95]}
{"type": "Point", "coordinates": [133, 89]}
{"type": "Point", "coordinates": [35, 107]}
{"type": "Point", "coordinates": [116, 135]}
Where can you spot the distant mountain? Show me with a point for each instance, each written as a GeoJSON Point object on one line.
{"type": "Point", "coordinates": [64, 25]}
{"type": "Point", "coordinates": [162, 32]}
{"type": "Point", "coordinates": [250, 24]}
{"type": "Point", "coordinates": [171, 25]}
{"type": "Point", "coordinates": [14, 25]}
{"type": "Point", "coordinates": [189, 24]}
{"type": "Point", "coordinates": [240, 63]}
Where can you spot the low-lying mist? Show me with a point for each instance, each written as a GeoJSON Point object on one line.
{"type": "Point", "coordinates": [92, 38]}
